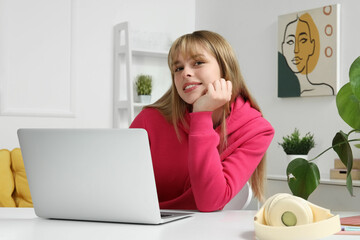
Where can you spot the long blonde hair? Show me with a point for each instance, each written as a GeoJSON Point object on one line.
{"type": "Point", "coordinates": [174, 108]}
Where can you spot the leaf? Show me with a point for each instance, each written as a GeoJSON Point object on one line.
{"type": "Point", "coordinates": [348, 106]}
{"type": "Point", "coordinates": [342, 147]}
{"type": "Point", "coordinates": [357, 145]}
{"type": "Point", "coordinates": [303, 177]}
{"type": "Point", "coordinates": [349, 185]}
{"type": "Point", "coordinates": [354, 74]}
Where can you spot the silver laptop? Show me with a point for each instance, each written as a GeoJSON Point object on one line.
{"type": "Point", "coordinates": [92, 174]}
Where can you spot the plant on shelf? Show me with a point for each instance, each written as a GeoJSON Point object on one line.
{"type": "Point", "coordinates": [144, 87]}
{"type": "Point", "coordinates": [303, 175]}
{"type": "Point", "coordinates": [294, 145]}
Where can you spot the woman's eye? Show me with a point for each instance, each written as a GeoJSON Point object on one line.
{"type": "Point", "coordinates": [178, 69]}
{"type": "Point", "coordinates": [198, 63]}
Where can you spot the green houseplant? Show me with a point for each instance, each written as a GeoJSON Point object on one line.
{"type": "Point", "coordinates": [303, 175]}
{"type": "Point", "coordinates": [144, 87]}
{"type": "Point", "coordinates": [293, 144]}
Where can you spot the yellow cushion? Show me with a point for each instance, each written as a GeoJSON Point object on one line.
{"type": "Point", "coordinates": [6, 180]}
{"type": "Point", "coordinates": [21, 195]}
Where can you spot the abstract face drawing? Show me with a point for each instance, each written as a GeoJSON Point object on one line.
{"type": "Point", "coordinates": [299, 45]}
{"type": "Point", "coordinates": [308, 52]}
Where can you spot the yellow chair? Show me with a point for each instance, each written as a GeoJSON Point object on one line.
{"type": "Point", "coordinates": [14, 187]}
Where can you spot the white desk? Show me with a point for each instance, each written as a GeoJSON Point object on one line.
{"type": "Point", "coordinates": [22, 224]}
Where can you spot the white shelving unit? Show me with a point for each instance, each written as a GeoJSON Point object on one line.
{"type": "Point", "coordinates": [125, 71]}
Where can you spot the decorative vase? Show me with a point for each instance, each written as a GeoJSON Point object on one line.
{"type": "Point", "coordinates": [145, 98]}
{"type": "Point", "coordinates": [291, 157]}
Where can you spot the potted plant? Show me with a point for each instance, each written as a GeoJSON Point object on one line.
{"type": "Point", "coordinates": [296, 147]}
{"type": "Point", "coordinates": [144, 87]}
{"type": "Point", "coordinates": [303, 175]}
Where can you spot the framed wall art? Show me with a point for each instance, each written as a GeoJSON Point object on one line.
{"type": "Point", "coordinates": [308, 52]}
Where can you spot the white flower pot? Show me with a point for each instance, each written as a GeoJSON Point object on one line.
{"type": "Point", "coordinates": [145, 98]}
{"type": "Point", "coordinates": [292, 157]}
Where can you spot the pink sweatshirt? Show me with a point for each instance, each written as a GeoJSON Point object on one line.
{"type": "Point", "coordinates": [191, 174]}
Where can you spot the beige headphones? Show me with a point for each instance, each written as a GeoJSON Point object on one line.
{"type": "Point", "coordinates": [287, 217]}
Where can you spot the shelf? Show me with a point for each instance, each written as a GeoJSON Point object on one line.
{"type": "Point", "coordinates": [324, 179]}
{"type": "Point", "coordinates": [125, 70]}
{"type": "Point", "coordinates": [145, 53]}
{"type": "Point", "coordinates": [139, 105]}
{"type": "Point", "coordinates": [140, 52]}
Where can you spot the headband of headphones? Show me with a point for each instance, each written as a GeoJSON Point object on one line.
{"type": "Point", "coordinates": [287, 217]}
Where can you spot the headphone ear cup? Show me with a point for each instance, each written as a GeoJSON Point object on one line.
{"type": "Point", "coordinates": [270, 202]}
{"type": "Point", "coordinates": [287, 210]}
{"type": "Point", "coordinates": [307, 208]}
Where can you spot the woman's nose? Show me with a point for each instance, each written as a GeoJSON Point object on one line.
{"type": "Point", "coordinates": [187, 72]}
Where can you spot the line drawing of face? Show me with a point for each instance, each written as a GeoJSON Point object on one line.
{"type": "Point", "coordinates": [298, 46]}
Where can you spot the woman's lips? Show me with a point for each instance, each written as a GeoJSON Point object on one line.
{"type": "Point", "coordinates": [188, 87]}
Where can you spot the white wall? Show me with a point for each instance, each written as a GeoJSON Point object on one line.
{"type": "Point", "coordinates": [91, 54]}
{"type": "Point", "coordinates": [251, 28]}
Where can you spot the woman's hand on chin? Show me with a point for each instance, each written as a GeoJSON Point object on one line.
{"type": "Point", "coordinates": [217, 94]}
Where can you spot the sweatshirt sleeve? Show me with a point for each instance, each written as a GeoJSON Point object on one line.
{"type": "Point", "coordinates": [216, 179]}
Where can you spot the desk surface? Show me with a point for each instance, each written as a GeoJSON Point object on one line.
{"type": "Point", "coordinates": [22, 223]}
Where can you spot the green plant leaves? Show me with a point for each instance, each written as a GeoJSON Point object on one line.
{"type": "Point", "coordinates": [348, 106]}
{"type": "Point", "coordinates": [342, 147]}
{"type": "Point", "coordinates": [303, 177]}
{"type": "Point", "coordinates": [294, 144]}
{"type": "Point", "coordinates": [143, 84]}
{"type": "Point", "coordinates": [348, 98]}
{"type": "Point", "coordinates": [354, 75]}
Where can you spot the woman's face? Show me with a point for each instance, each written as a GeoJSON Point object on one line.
{"type": "Point", "coordinates": [192, 74]}
{"type": "Point", "coordinates": [297, 46]}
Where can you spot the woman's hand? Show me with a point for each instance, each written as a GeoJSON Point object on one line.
{"type": "Point", "coordinates": [216, 95]}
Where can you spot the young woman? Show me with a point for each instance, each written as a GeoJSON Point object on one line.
{"type": "Point", "coordinates": [207, 135]}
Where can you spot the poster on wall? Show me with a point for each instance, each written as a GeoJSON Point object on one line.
{"type": "Point", "coordinates": [308, 52]}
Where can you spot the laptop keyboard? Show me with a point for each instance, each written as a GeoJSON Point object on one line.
{"type": "Point", "coordinates": [165, 215]}
{"type": "Point", "coordinates": [173, 214]}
